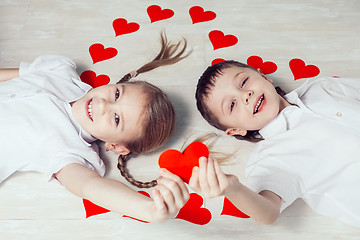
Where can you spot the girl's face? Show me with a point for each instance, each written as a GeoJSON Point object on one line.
{"type": "Point", "coordinates": [243, 99]}
{"type": "Point", "coordinates": [112, 113]}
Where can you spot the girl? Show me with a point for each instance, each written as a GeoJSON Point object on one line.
{"type": "Point", "coordinates": [308, 143]}
{"type": "Point", "coordinates": [51, 121]}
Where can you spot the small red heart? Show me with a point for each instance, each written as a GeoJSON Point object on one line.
{"type": "Point", "coordinates": [217, 60]}
{"type": "Point", "coordinates": [198, 14]}
{"type": "Point", "coordinates": [92, 209]}
{"type": "Point", "coordinates": [99, 53]}
{"type": "Point", "coordinates": [145, 194]}
{"type": "Point", "coordinates": [231, 210]}
{"type": "Point", "coordinates": [156, 13]}
{"type": "Point", "coordinates": [121, 26]}
{"type": "Point", "coordinates": [193, 212]}
{"type": "Point", "coordinates": [182, 164]}
{"type": "Point", "coordinates": [220, 40]}
{"type": "Point", "coordinates": [90, 78]}
{"type": "Point", "coordinates": [300, 70]}
{"type": "Point", "coordinates": [265, 67]}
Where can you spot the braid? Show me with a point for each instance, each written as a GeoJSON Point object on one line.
{"type": "Point", "coordinates": [125, 78]}
{"type": "Point", "coordinates": [122, 167]}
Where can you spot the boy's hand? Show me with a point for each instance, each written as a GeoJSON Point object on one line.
{"type": "Point", "coordinates": [209, 181]}
{"type": "Point", "coordinates": [169, 196]}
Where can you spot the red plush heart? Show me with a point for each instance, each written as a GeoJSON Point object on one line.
{"type": "Point", "coordinates": [90, 78]}
{"type": "Point", "coordinates": [217, 60]}
{"type": "Point", "coordinates": [193, 212]}
{"type": "Point", "coordinates": [182, 164]}
{"type": "Point", "coordinates": [99, 53]}
{"type": "Point", "coordinates": [92, 209]}
{"type": "Point", "coordinates": [300, 70]}
{"type": "Point", "coordinates": [220, 40]}
{"type": "Point", "coordinates": [156, 13]}
{"type": "Point", "coordinates": [121, 26]}
{"type": "Point", "coordinates": [265, 67]}
{"type": "Point", "coordinates": [198, 14]}
{"type": "Point", "coordinates": [231, 210]}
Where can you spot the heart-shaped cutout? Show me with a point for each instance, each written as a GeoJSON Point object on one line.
{"type": "Point", "coordinates": [230, 209]}
{"type": "Point", "coordinates": [182, 164]}
{"type": "Point", "coordinates": [157, 14]}
{"type": "Point", "coordinates": [220, 40]}
{"type": "Point", "coordinates": [193, 212]}
{"type": "Point", "coordinates": [99, 53]}
{"type": "Point", "coordinates": [258, 63]}
{"type": "Point", "coordinates": [90, 78]}
{"type": "Point", "coordinates": [217, 60]}
{"type": "Point", "coordinates": [121, 26]}
{"type": "Point", "coordinates": [300, 70]}
{"type": "Point", "coordinates": [198, 14]}
{"type": "Point", "coordinates": [92, 209]}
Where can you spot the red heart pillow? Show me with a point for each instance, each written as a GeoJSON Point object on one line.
{"type": "Point", "coordinates": [182, 164]}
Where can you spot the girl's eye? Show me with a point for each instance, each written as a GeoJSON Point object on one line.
{"type": "Point", "coordinates": [232, 105]}
{"type": "Point", "coordinates": [117, 119]}
{"type": "Point", "coordinates": [117, 93]}
{"type": "Point", "coordinates": [243, 83]}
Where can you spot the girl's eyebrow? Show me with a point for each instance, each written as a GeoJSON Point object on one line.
{"type": "Point", "coordinates": [121, 115]}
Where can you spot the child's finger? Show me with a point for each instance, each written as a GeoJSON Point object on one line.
{"type": "Point", "coordinates": [168, 198]}
{"type": "Point", "coordinates": [168, 175]}
{"type": "Point", "coordinates": [159, 201]}
{"type": "Point", "coordinates": [212, 176]}
{"type": "Point", "coordinates": [203, 179]}
{"type": "Point", "coordinates": [179, 196]}
{"type": "Point", "coordinates": [194, 180]}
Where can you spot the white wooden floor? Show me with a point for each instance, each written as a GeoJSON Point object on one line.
{"type": "Point", "coordinates": [323, 33]}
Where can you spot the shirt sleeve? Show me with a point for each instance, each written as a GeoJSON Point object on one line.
{"type": "Point", "coordinates": [272, 175]}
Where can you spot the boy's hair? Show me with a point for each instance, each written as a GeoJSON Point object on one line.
{"type": "Point", "coordinates": [205, 86]}
{"type": "Point", "coordinates": [160, 121]}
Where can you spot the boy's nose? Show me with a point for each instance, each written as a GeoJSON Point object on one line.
{"type": "Point", "coordinates": [246, 95]}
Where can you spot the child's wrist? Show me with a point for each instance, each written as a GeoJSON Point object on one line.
{"type": "Point", "coordinates": [234, 186]}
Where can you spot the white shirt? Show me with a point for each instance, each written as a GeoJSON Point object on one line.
{"type": "Point", "coordinates": [312, 150]}
{"type": "Point", "coordinates": [38, 131]}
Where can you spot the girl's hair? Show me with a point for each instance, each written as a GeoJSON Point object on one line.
{"type": "Point", "coordinates": [160, 121]}
{"type": "Point", "coordinates": [204, 87]}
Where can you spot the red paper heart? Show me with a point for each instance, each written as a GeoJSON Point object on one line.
{"type": "Point", "coordinates": [182, 164]}
{"type": "Point", "coordinates": [265, 67]}
{"type": "Point", "coordinates": [220, 40]}
{"type": "Point", "coordinates": [92, 209]}
{"type": "Point", "coordinates": [156, 13]}
{"type": "Point", "coordinates": [193, 212]}
{"type": "Point", "coordinates": [121, 26]}
{"type": "Point", "coordinates": [90, 78]}
{"type": "Point", "coordinates": [145, 194]}
{"type": "Point", "coordinates": [217, 60]}
{"type": "Point", "coordinates": [99, 53]}
{"type": "Point", "coordinates": [198, 14]}
{"type": "Point", "coordinates": [231, 210]}
{"type": "Point", "coordinates": [300, 70]}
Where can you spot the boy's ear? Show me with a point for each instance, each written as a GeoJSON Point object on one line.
{"type": "Point", "coordinates": [117, 148]}
{"type": "Point", "coordinates": [235, 131]}
{"type": "Point", "coordinates": [264, 76]}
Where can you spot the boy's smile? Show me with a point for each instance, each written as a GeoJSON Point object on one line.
{"type": "Point", "coordinates": [243, 99]}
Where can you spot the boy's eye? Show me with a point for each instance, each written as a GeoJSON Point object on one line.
{"type": "Point", "coordinates": [117, 93]}
{"type": "Point", "coordinates": [117, 119]}
{"type": "Point", "coordinates": [243, 83]}
{"type": "Point", "coordinates": [232, 105]}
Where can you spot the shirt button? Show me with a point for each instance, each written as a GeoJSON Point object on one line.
{"type": "Point", "coordinates": [13, 95]}
{"type": "Point", "coordinates": [339, 114]}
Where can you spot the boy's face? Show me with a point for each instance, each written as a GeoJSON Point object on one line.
{"type": "Point", "coordinates": [243, 99]}
{"type": "Point", "coordinates": [112, 113]}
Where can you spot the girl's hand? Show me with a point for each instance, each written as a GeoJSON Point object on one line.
{"type": "Point", "coordinates": [169, 197]}
{"type": "Point", "coordinates": [209, 181]}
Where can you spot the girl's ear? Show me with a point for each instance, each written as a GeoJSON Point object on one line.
{"type": "Point", "coordinates": [235, 131]}
{"type": "Point", "coordinates": [264, 76]}
{"type": "Point", "coordinates": [117, 148]}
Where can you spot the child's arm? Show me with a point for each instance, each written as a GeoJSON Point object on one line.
{"type": "Point", "coordinates": [209, 181]}
{"type": "Point", "coordinates": [8, 73]}
{"type": "Point", "coordinates": [168, 197]}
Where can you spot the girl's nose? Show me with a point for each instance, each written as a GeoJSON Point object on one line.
{"type": "Point", "coordinates": [102, 105]}
{"type": "Point", "coordinates": [246, 95]}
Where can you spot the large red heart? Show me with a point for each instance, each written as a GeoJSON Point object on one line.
{"type": "Point", "coordinates": [230, 209]}
{"type": "Point", "coordinates": [90, 78]}
{"type": "Point", "coordinates": [182, 164]}
{"type": "Point", "coordinates": [300, 70]}
{"type": "Point", "coordinates": [99, 53]}
{"type": "Point", "coordinates": [193, 212]}
{"type": "Point", "coordinates": [92, 209]}
{"type": "Point", "coordinates": [156, 13]}
{"type": "Point", "coordinates": [220, 40]}
{"type": "Point", "coordinates": [265, 67]}
{"type": "Point", "coordinates": [121, 26]}
{"type": "Point", "coordinates": [198, 14]}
